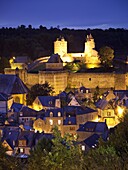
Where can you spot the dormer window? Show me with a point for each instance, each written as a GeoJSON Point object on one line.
{"type": "Point", "coordinates": [51, 114]}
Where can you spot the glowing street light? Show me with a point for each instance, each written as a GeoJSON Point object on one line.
{"type": "Point", "coordinates": [120, 111]}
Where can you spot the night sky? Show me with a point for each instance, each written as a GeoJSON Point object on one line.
{"type": "Point", "coordinates": [65, 13]}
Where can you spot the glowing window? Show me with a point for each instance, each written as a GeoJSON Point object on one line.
{"type": "Point", "coordinates": [51, 114]}
{"type": "Point", "coordinates": [59, 114]}
{"type": "Point", "coordinates": [21, 150]}
{"type": "Point", "coordinates": [83, 147]}
{"type": "Point", "coordinates": [59, 122]}
{"type": "Point", "coordinates": [51, 122]}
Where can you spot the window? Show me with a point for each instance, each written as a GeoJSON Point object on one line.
{"type": "Point", "coordinates": [21, 150]}
{"type": "Point", "coordinates": [51, 114]}
{"type": "Point", "coordinates": [83, 147]}
{"type": "Point", "coordinates": [59, 114]}
{"type": "Point", "coordinates": [72, 128]}
{"type": "Point", "coordinates": [108, 113]}
{"type": "Point", "coordinates": [51, 122]}
{"type": "Point", "coordinates": [89, 79]}
{"type": "Point", "coordinates": [17, 99]}
{"type": "Point", "coordinates": [59, 122]}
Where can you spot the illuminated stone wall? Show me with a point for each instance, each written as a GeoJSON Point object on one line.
{"type": "Point", "coordinates": [91, 80]}
{"type": "Point", "coordinates": [58, 80]}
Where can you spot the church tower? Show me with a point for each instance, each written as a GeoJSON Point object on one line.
{"type": "Point", "coordinates": [60, 46]}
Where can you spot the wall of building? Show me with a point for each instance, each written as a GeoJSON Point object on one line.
{"type": "Point", "coordinates": [58, 80]}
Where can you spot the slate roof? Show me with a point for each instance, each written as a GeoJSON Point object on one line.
{"type": "Point", "coordinates": [28, 112]}
{"type": "Point", "coordinates": [12, 84]}
{"type": "Point", "coordinates": [78, 110]}
{"type": "Point", "coordinates": [54, 111]}
{"type": "Point", "coordinates": [4, 97]}
{"type": "Point", "coordinates": [10, 136]}
{"type": "Point", "coordinates": [48, 101]}
{"type": "Point", "coordinates": [16, 107]}
{"type": "Point", "coordinates": [62, 94]}
{"type": "Point", "coordinates": [102, 103]}
{"type": "Point", "coordinates": [99, 127]}
{"type": "Point", "coordinates": [121, 93]}
{"type": "Point", "coordinates": [28, 136]}
{"type": "Point", "coordinates": [92, 140]}
{"type": "Point", "coordinates": [55, 58]}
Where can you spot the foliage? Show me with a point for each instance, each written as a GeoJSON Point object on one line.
{"type": "Point", "coordinates": [4, 63]}
{"type": "Point", "coordinates": [37, 156]}
{"type": "Point", "coordinates": [96, 94]}
{"type": "Point", "coordinates": [106, 55]}
{"type": "Point", "coordinates": [102, 158]}
{"type": "Point", "coordinates": [119, 140]}
{"type": "Point", "coordinates": [63, 155]}
{"type": "Point", "coordinates": [39, 90]}
{"type": "Point", "coordinates": [8, 162]}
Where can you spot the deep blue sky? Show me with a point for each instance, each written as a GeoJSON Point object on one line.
{"type": "Point", "coordinates": [65, 13]}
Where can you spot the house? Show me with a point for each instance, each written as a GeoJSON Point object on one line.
{"type": "Point", "coordinates": [46, 102]}
{"type": "Point", "coordinates": [90, 142]}
{"type": "Point", "coordinates": [12, 85]}
{"type": "Point", "coordinates": [9, 139]}
{"type": "Point", "coordinates": [84, 114]}
{"type": "Point", "coordinates": [106, 111]}
{"type": "Point", "coordinates": [26, 116]}
{"type": "Point", "coordinates": [50, 118]}
{"type": "Point", "coordinates": [24, 143]}
{"type": "Point", "coordinates": [83, 93]}
{"type": "Point", "coordinates": [69, 126]}
{"type": "Point", "coordinates": [5, 103]}
{"type": "Point", "coordinates": [90, 128]}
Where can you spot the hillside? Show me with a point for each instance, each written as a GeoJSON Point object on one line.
{"type": "Point", "coordinates": [39, 42]}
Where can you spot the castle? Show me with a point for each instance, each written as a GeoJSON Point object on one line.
{"type": "Point", "coordinates": [50, 69]}
{"type": "Point", "coordinates": [90, 55]}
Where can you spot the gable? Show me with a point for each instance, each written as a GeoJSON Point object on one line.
{"type": "Point", "coordinates": [6, 145]}
{"type": "Point", "coordinates": [11, 84]}
{"type": "Point", "coordinates": [73, 102]}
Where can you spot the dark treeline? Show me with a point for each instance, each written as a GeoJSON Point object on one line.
{"type": "Point", "coordinates": [39, 42]}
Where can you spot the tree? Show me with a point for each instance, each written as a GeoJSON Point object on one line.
{"type": "Point", "coordinates": [62, 155]}
{"type": "Point", "coordinates": [39, 90]}
{"type": "Point", "coordinates": [8, 162]}
{"type": "Point", "coordinates": [119, 140]}
{"type": "Point", "coordinates": [106, 55]}
{"type": "Point", "coordinates": [102, 158]}
{"type": "Point", "coordinates": [4, 63]}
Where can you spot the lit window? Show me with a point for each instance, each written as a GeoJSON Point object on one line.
{"type": "Point", "coordinates": [83, 147]}
{"type": "Point", "coordinates": [51, 122]}
{"type": "Point", "coordinates": [59, 114]}
{"type": "Point", "coordinates": [21, 150]}
{"type": "Point", "coordinates": [51, 114]}
{"type": "Point", "coordinates": [59, 122]}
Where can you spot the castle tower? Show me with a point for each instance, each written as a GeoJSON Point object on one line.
{"type": "Point", "coordinates": [60, 46]}
{"type": "Point", "coordinates": [89, 45]}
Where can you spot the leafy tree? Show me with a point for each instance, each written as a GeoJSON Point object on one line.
{"type": "Point", "coordinates": [63, 155]}
{"type": "Point", "coordinates": [119, 140]}
{"type": "Point", "coordinates": [39, 90]}
{"type": "Point", "coordinates": [37, 156]}
{"type": "Point", "coordinates": [8, 162]}
{"type": "Point", "coordinates": [96, 94]}
{"type": "Point", "coordinates": [106, 55]}
{"type": "Point", "coordinates": [4, 63]}
{"type": "Point", "coordinates": [102, 158]}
